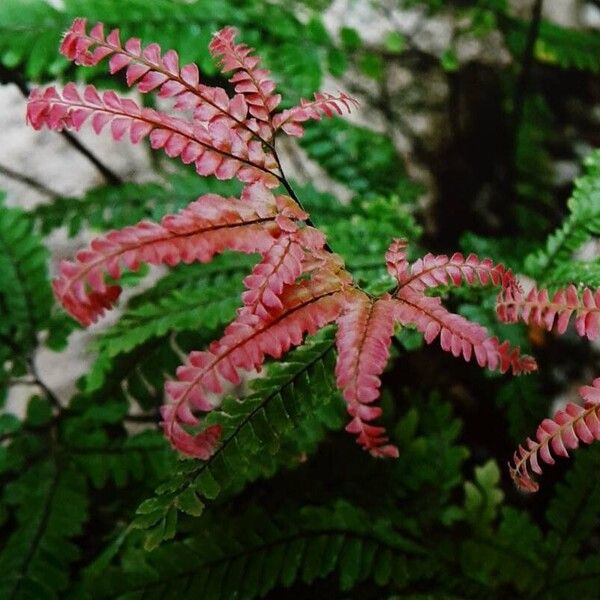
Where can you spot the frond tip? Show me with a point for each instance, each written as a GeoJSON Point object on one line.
{"type": "Point", "coordinates": [538, 308]}
{"type": "Point", "coordinates": [364, 335]}
{"type": "Point", "coordinates": [557, 436]}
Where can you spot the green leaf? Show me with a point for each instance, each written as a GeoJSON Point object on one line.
{"type": "Point", "coordinates": [350, 38]}
{"type": "Point", "coordinates": [483, 497]}
{"type": "Point", "coordinates": [395, 42]}
{"type": "Point", "coordinates": [51, 508]}
{"type": "Point", "coordinates": [39, 411]}
{"type": "Point", "coordinates": [449, 60]}
{"type": "Point", "coordinates": [286, 415]}
{"type": "Point", "coordinates": [372, 65]}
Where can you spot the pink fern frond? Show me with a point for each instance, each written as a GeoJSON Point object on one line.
{"type": "Point", "coordinates": [252, 82]}
{"type": "Point", "coordinates": [396, 260]}
{"type": "Point", "coordinates": [432, 271]}
{"type": "Point", "coordinates": [281, 265]}
{"type": "Point", "coordinates": [215, 150]}
{"type": "Point", "coordinates": [307, 307]}
{"type": "Point", "coordinates": [556, 436]}
{"type": "Point", "coordinates": [206, 227]}
{"type": "Point", "coordinates": [457, 335]}
{"type": "Point", "coordinates": [149, 70]}
{"type": "Point", "coordinates": [538, 308]}
{"type": "Point", "coordinates": [324, 104]}
{"type": "Point", "coordinates": [364, 334]}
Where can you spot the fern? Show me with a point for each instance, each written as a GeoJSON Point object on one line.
{"type": "Point", "coordinates": [365, 161]}
{"type": "Point", "coordinates": [108, 207]}
{"type": "Point", "coordinates": [575, 423]}
{"type": "Point", "coordinates": [270, 428]}
{"type": "Point", "coordinates": [525, 404]}
{"type": "Point", "coordinates": [25, 296]}
{"type": "Point", "coordinates": [51, 508]}
{"type": "Point", "coordinates": [572, 514]}
{"type": "Point", "coordinates": [31, 29]}
{"type": "Point", "coordinates": [237, 140]}
{"type": "Point", "coordinates": [144, 456]}
{"type": "Point", "coordinates": [257, 553]}
{"type": "Point", "coordinates": [206, 303]}
{"type": "Point", "coordinates": [582, 223]}
{"type": "Point", "coordinates": [559, 435]}
{"type": "Point", "coordinates": [538, 564]}
{"type": "Point", "coordinates": [509, 554]}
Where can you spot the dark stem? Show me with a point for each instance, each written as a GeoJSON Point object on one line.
{"type": "Point", "coordinates": [11, 76]}
{"type": "Point", "coordinates": [40, 383]}
{"type": "Point", "coordinates": [525, 74]}
{"type": "Point", "coordinates": [290, 190]}
{"type": "Point", "coordinates": [35, 378]}
{"type": "Point", "coordinates": [36, 185]}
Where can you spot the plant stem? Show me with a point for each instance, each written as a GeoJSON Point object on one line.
{"type": "Point", "coordinates": [36, 185]}
{"type": "Point", "coordinates": [290, 190]}
{"type": "Point", "coordinates": [10, 76]}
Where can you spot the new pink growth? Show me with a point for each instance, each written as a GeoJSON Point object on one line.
{"type": "Point", "coordinates": [299, 285]}
{"type": "Point", "coordinates": [206, 227]}
{"type": "Point", "coordinates": [575, 423]}
{"type": "Point", "coordinates": [307, 307]}
{"type": "Point", "coordinates": [538, 308]}
{"type": "Point", "coordinates": [557, 436]}
{"type": "Point", "coordinates": [364, 335]}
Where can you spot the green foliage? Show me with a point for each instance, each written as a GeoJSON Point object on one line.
{"type": "Point", "coordinates": [525, 405]}
{"type": "Point", "coordinates": [30, 31]}
{"type": "Point", "coordinates": [483, 496]}
{"type": "Point", "coordinates": [50, 508]}
{"type": "Point", "coordinates": [534, 165]}
{"type": "Point", "coordinates": [182, 311]}
{"type": "Point", "coordinates": [552, 265]}
{"type": "Point", "coordinates": [25, 296]}
{"type": "Point", "coordinates": [110, 207]}
{"type": "Point", "coordinates": [362, 160]}
{"type": "Point", "coordinates": [285, 416]}
{"type": "Point", "coordinates": [253, 553]}
{"type": "Point", "coordinates": [545, 565]}
{"type": "Point", "coordinates": [564, 47]}
{"type": "Point", "coordinates": [95, 504]}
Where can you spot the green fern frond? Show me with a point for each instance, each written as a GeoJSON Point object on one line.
{"type": "Point", "coordinates": [582, 223]}
{"type": "Point", "coordinates": [285, 416]}
{"type": "Point", "coordinates": [535, 170]}
{"type": "Point", "coordinates": [575, 508]}
{"type": "Point", "coordinates": [207, 306]}
{"type": "Point", "coordinates": [524, 404]}
{"type": "Point", "coordinates": [51, 507]}
{"type": "Point", "coordinates": [141, 457]}
{"type": "Point", "coordinates": [576, 271]}
{"type": "Point", "coordinates": [557, 45]}
{"type": "Point", "coordinates": [109, 207]}
{"type": "Point", "coordinates": [361, 159]}
{"type": "Point", "coordinates": [141, 372]}
{"type": "Point", "coordinates": [573, 513]}
{"type": "Point", "coordinates": [30, 31]}
{"type": "Point", "coordinates": [254, 553]}
{"type": "Point", "coordinates": [184, 308]}
{"type": "Point", "coordinates": [509, 555]}
{"type": "Point", "coordinates": [25, 293]}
